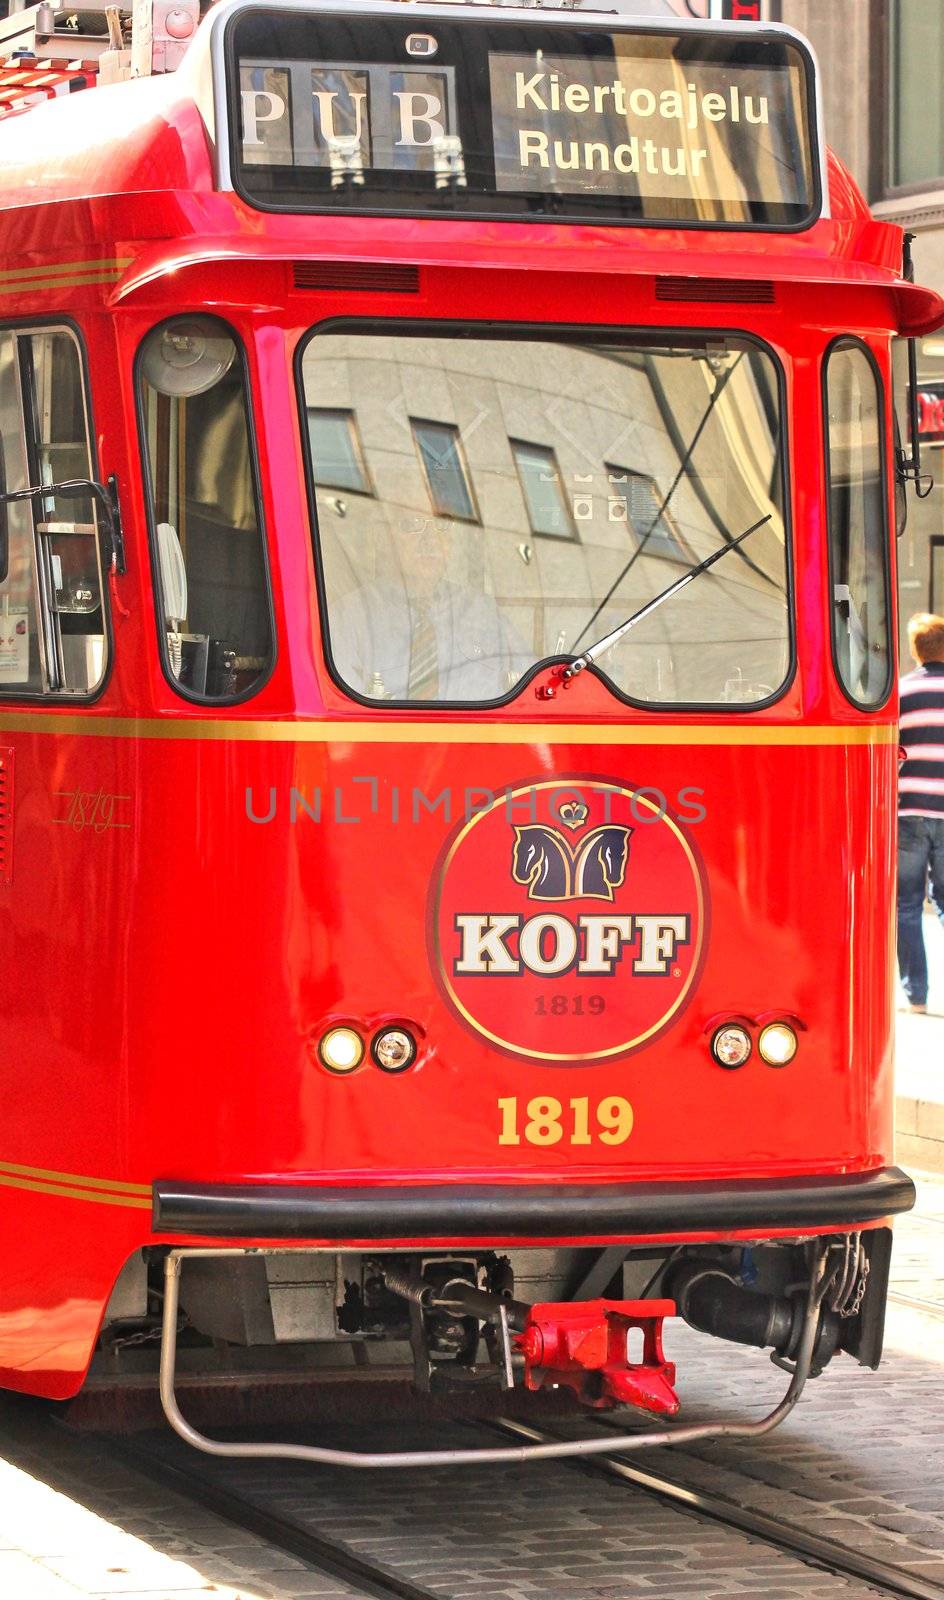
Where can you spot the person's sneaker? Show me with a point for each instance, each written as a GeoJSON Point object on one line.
{"type": "Point", "coordinates": [921, 1010]}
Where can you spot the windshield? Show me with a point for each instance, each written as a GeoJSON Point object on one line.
{"type": "Point", "coordinates": [484, 504]}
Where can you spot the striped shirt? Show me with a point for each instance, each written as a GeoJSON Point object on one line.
{"type": "Point", "coordinates": [921, 774]}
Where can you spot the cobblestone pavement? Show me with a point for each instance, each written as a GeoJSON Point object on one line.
{"type": "Point", "coordinates": [862, 1461]}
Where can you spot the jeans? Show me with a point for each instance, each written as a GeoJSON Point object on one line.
{"type": "Point", "coordinates": [920, 851]}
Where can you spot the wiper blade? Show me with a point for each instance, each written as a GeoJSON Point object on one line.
{"type": "Point", "coordinates": [588, 656]}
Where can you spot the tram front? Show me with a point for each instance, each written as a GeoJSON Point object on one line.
{"type": "Point", "coordinates": [529, 384]}
{"type": "Point", "coordinates": [595, 860]}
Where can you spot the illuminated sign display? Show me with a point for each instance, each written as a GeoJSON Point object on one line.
{"type": "Point", "coordinates": [931, 413]}
{"type": "Point", "coordinates": [370, 113]}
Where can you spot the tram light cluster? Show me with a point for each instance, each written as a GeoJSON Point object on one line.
{"type": "Point", "coordinates": [732, 1044]}
{"type": "Point", "coordinates": [341, 1049]}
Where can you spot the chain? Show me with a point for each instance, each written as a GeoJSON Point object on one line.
{"type": "Point", "coordinates": [851, 1278]}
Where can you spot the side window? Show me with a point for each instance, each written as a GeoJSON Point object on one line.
{"type": "Point", "coordinates": [52, 630]}
{"type": "Point", "coordinates": [858, 532]}
{"type": "Point", "coordinates": [213, 595]}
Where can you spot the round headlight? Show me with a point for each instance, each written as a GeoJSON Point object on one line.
{"type": "Point", "coordinates": [187, 356]}
{"type": "Point", "coordinates": [777, 1044]}
{"type": "Point", "coordinates": [394, 1049]}
{"type": "Point", "coordinates": [341, 1049]}
{"type": "Point", "coordinates": [731, 1045]}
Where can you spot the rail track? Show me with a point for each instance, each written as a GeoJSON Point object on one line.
{"type": "Point", "coordinates": [368, 1578]}
{"type": "Point", "coordinates": [883, 1576]}
{"type": "Point", "coordinates": [328, 1556]}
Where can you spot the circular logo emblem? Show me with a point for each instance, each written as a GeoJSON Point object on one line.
{"type": "Point", "coordinates": [566, 920]}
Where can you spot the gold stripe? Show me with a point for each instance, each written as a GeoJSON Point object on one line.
{"type": "Point", "coordinates": [371, 731]}
{"type": "Point", "coordinates": [111, 263]}
{"type": "Point", "coordinates": [76, 1194]}
{"type": "Point", "coordinates": [72, 281]}
{"type": "Point", "coordinates": [73, 1178]}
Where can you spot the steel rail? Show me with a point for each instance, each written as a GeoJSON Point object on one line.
{"type": "Point", "coordinates": [915, 1302]}
{"type": "Point", "coordinates": [810, 1547]}
{"type": "Point", "coordinates": [327, 1556]}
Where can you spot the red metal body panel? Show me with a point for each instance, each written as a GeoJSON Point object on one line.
{"type": "Point", "coordinates": [123, 1058]}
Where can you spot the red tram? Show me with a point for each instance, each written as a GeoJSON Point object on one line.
{"type": "Point", "coordinates": [447, 719]}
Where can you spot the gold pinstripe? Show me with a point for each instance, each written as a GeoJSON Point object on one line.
{"type": "Point", "coordinates": [377, 731]}
{"type": "Point", "coordinates": [62, 275]}
{"type": "Point", "coordinates": [13, 1170]}
{"type": "Point", "coordinates": [98, 1197]}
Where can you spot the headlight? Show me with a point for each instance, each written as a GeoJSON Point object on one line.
{"type": "Point", "coordinates": [394, 1049]}
{"type": "Point", "coordinates": [731, 1045]}
{"type": "Point", "coordinates": [777, 1044]}
{"type": "Point", "coordinates": [341, 1049]}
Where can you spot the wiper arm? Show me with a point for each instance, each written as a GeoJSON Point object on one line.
{"type": "Point", "coordinates": [590, 655]}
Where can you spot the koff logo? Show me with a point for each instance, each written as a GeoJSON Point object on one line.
{"type": "Point", "coordinates": [635, 960]}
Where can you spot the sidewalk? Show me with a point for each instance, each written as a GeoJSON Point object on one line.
{"type": "Point", "coordinates": [919, 1069]}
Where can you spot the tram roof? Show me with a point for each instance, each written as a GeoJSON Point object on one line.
{"type": "Point", "coordinates": [144, 162]}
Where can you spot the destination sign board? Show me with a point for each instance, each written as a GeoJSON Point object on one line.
{"type": "Point", "coordinates": [410, 113]}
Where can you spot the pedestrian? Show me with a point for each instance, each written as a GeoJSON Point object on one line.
{"type": "Point", "coordinates": [920, 801]}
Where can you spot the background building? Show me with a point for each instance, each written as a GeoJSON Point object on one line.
{"type": "Point", "coordinates": [882, 67]}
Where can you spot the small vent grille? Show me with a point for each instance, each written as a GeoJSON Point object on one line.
{"type": "Point", "coordinates": [6, 817]}
{"type": "Point", "coordinates": [342, 277]}
{"type": "Point", "coordinates": [746, 291]}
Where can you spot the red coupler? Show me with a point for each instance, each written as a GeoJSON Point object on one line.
{"type": "Point", "coordinates": [583, 1345]}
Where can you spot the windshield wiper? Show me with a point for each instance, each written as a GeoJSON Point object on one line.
{"type": "Point", "coordinates": [588, 656]}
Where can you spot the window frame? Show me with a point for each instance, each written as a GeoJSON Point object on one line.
{"type": "Point", "coordinates": [144, 460]}
{"type": "Point", "coordinates": [417, 327]}
{"type": "Point", "coordinates": [573, 536]}
{"type": "Point", "coordinates": [882, 127]}
{"type": "Point", "coordinates": [61, 324]}
{"type": "Point", "coordinates": [855, 341]}
{"type": "Point", "coordinates": [357, 452]}
{"type": "Point", "coordinates": [474, 519]}
{"type": "Point", "coordinates": [935, 546]}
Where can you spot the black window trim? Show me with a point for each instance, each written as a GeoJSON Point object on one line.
{"type": "Point", "coordinates": [853, 340]}
{"type": "Point", "coordinates": [475, 520]}
{"type": "Point", "coordinates": [487, 328]}
{"type": "Point", "coordinates": [360, 456]}
{"type": "Point", "coordinates": [572, 536]}
{"type": "Point", "coordinates": [242, 356]}
{"type": "Point", "coordinates": [67, 324]}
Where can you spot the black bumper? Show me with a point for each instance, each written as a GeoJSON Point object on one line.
{"type": "Point", "coordinates": [528, 1211]}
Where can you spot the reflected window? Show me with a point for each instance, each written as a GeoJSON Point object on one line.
{"type": "Point", "coordinates": [336, 453]}
{"type": "Point", "coordinates": [542, 490]}
{"type": "Point", "coordinates": [858, 539]}
{"type": "Point", "coordinates": [213, 597]}
{"type": "Point", "coordinates": [419, 607]}
{"type": "Point", "coordinates": [52, 627]}
{"type": "Point", "coordinates": [636, 499]}
{"type": "Point", "coordinates": [440, 451]}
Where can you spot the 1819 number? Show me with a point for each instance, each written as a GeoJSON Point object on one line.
{"type": "Point", "coordinates": [546, 1122]}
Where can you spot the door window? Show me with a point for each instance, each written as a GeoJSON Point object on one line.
{"type": "Point", "coordinates": [213, 593]}
{"type": "Point", "coordinates": [52, 631]}
{"type": "Point", "coordinates": [858, 533]}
